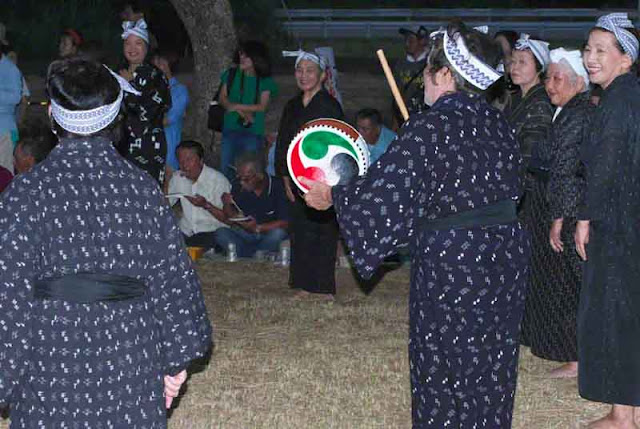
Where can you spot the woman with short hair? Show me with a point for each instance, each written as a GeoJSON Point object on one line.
{"type": "Point", "coordinates": [549, 324]}
{"type": "Point", "coordinates": [607, 234]}
{"type": "Point", "coordinates": [448, 190]}
{"type": "Point", "coordinates": [145, 144]}
{"type": "Point", "coordinates": [100, 305]}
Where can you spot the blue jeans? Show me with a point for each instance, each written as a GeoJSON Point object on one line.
{"type": "Point", "coordinates": [235, 143]}
{"type": "Point", "coordinates": [247, 243]}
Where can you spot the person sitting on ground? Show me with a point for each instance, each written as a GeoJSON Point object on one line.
{"type": "Point", "coordinates": [166, 61]}
{"type": "Point", "coordinates": [31, 151]}
{"type": "Point", "coordinates": [369, 124]}
{"type": "Point", "coordinates": [260, 201]}
{"type": "Point", "coordinates": [199, 189]}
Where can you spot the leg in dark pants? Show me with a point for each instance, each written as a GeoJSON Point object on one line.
{"type": "Point", "coordinates": [314, 249]}
{"type": "Point", "coordinates": [202, 239]}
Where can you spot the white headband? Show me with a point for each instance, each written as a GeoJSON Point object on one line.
{"type": "Point", "coordinates": [137, 28]}
{"type": "Point", "coordinates": [573, 59]}
{"type": "Point", "coordinates": [539, 49]}
{"type": "Point", "coordinates": [304, 55]}
{"type": "Point", "coordinates": [471, 68]}
{"type": "Point", "coordinates": [616, 23]}
{"type": "Point", "coordinates": [87, 122]}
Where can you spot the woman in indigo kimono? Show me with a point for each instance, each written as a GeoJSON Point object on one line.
{"type": "Point", "coordinates": [549, 322]}
{"type": "Point", "coordinates": [607, 233]}
{"type": "Point", "coordinates": [145, 140]}
{"type": "Point", "coordinates": [447, 186]}
{"type": "Point", "coordinates": [100, 308]}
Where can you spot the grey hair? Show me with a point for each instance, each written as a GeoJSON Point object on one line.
{"type": "Point", "coordinates": [571, 73]}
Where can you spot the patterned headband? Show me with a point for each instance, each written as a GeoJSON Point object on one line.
{"type": "Point", "coordinates": [471, 68]}
{"type": "Point", "coordinates": [616, 23]}
{"type": "Point", "coordinates": [87, 122]}
{"type": "Point", "coordinates": [308, 56]}
{"type": "Point", "coordinates": [137, 28]}
{"type": "Point", "coordinates": [539, 49]}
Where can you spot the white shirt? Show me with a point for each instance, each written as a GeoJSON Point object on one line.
{"type": "Point", "coordinates": [211, 184]}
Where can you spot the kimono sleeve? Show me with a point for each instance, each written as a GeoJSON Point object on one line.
{"type": "Point", "coordinates": [603, 159]}
{"type": "Point", "coordinates": [376, 213]}
{"type": "Point", "coordinates": [151, 105]}
{"type": "Point", "coordinates": [18, 265]}
{"type": "Point", "coordinates": [564, 184]}
{"type": "Point", "coordinates": [180, 310]}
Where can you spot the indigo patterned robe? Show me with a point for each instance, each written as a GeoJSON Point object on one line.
{"type": "Point", "coordinates": [98, 365]}
{"type": "Point", "coordinates": [467, 284]}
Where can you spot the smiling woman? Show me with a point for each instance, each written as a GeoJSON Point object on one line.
{"type": "Point", "coordinates": [146, 144]}
{"type": "Point", "coordinates": [608, 318]}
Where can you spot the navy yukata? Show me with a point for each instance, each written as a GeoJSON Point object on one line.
{"type": "Point", "coordinates": [467, 284]}
{"type": "Point", "coordinates": [85, 209]}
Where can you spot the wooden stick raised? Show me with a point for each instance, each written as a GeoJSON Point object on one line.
{"type": "Point", "coordinates": [392, 84]}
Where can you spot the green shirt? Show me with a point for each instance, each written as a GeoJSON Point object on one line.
{"type": "Point", "coordinates": [232, 119]}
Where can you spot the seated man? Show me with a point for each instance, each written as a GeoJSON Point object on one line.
{"type": "Point", "coordinates": [199, 189]}
{"type": "Point", "coordinates": [257, 210]}
{"type": "Point", "coordinates": [31, 150]}
{"type": "Point", "coordinates": [377, 136]}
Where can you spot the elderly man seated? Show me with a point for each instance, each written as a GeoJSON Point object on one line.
{"type": "Point", "coordinates": [377, 136]}
{"type": "Point", "coordinates": [256, 209]}
{"type": "Point", "coordinates": [199, 190]}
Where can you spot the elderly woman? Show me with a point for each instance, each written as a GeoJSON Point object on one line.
{"type": "Point", "coordinates": [529, 111]}
{"type": "Point", "coordinates": [100, 306]}
{"type": "Point", "coordinates": [145, 141]}
{"type": "Point", "coordinates": [549, 324]}
{"type": "Point", "coordinates": [608, 316]}
{"type": "Point", "coordinates": [315, 233]}
{"type": "Point", "coordinates": [447, 187]}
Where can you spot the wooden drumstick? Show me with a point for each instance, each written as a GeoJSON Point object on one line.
{"type": "Point", "coordinates": [392, 84]}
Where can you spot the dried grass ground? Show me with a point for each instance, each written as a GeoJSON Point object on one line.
{"type": "Point", "coordinates": [284, 364]}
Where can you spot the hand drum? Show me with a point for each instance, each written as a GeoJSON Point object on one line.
{"type": "Point", "coordinates": [328, 151]}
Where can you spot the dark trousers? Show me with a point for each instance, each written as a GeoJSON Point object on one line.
{"type": "Point", "coordinates": [313, 248]}
{"type": "Point", "coordinates": [202, 239]}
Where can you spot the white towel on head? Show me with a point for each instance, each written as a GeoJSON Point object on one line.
{"type": "Point", "coordinates": [573, 58]}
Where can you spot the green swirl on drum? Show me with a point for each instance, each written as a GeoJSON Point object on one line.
{"type": "Point", "coordinates": [316, 144]}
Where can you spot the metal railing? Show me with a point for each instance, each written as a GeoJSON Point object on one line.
{"type": "Point", "coordinates": [384, 23]}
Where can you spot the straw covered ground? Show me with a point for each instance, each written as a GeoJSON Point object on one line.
{"type": "Point", "coordinates": [284, 364]}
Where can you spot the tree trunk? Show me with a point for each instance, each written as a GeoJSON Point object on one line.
{"type": "Point", "coordinates": [210, 27]}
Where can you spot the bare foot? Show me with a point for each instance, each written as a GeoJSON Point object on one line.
{"type": "Point", "coordinates": [613, 421]}
{"type": "Point", "coordinates": [300, 295]}
{"type": "Point", "coordinates": [568, 370]}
